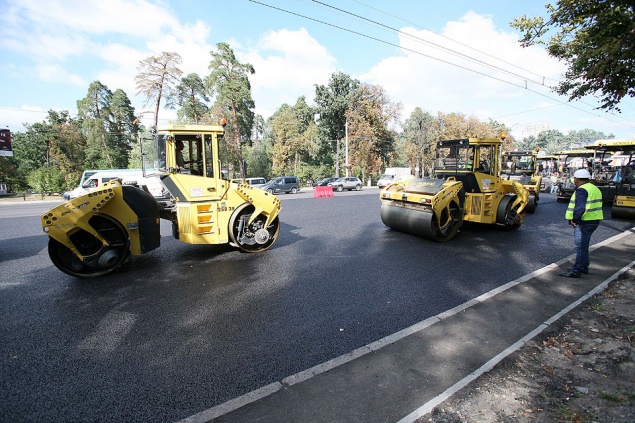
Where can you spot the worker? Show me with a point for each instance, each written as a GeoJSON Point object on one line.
{"type": "Point", "coordinates": [180, 162]}
{"type": "Point", "coordinates": [510, 165]}
{"type": "Point", "coordinates": [554, 183]}
{"type": "Point", "coordinates": [584, 214]}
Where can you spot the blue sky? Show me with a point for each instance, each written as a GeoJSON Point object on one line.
{"type": "Point", "coordinates": [452, 56]}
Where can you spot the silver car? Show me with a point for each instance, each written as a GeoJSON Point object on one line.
{"type": "Point", "coordinates": [349, 183]}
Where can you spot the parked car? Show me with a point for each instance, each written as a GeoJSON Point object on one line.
{"type": "Point", "coordinates": [288, 184]}
{"type": "Point", "coordinates": [255, 182]}
{"type": "Point", "coordinates": [350, 183]}
{"type": "Point", "coordinates": [324, 182]}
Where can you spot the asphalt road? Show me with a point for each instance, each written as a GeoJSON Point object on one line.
{"type": "Point", "coordinates": [184, 328]}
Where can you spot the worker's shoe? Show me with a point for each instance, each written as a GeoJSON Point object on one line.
{"type": "Point", "coordinates": [570, 275]}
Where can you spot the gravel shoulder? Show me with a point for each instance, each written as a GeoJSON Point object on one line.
{"type": "Point", "coordinates": [581, 369]}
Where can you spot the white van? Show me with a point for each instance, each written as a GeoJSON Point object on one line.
{"type": "Point", "coordinates": [256, 182]}
{"type": "Point", "coordinates": [127, 176]}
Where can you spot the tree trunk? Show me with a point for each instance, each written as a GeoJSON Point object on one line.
{"type": "Point", "coordinates": [239, 150]}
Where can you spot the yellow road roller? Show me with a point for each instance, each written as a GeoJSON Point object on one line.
{"type": "Point", "coordinates": [614, 175]}
{"type": "Point", "coordinates": [522, 166]}
{"type": "Point", "coordinates": [466, 187]}
{"type": "Point", "coordinates": [94, 234]}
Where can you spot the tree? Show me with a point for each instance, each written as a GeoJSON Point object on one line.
{"type": "Point", "coordinates": [585, 137]}
{"type": "Point", "coordinates": [553, 140]}
{"type": "Point", "coordinates": [157, 79]}
{"type": "Point", "coordinates": [332, 103]}
{"type": "Point", "coordinates": [47, 180]}
{"type": "Point", "coordinates": [420, 135]}
{"type": "Point", "coordinates": [370, 138]}
{"type": "Point", "coordinates": [229, 80]}
{"type": "Point", "coordinates": [287, 136]}
{"type": "Point", "coordinates": [58, 143]}
{"type": "Point", "coordinates": [597, 41]}
{"type": "Point", "coordinates": [123, 128]}
{"type": "Point", "coordinates": [192, 97]}
{"type": "Point", "coordinates": [94, 113]}
{"type": "Point", "coordinates": [31, 148]}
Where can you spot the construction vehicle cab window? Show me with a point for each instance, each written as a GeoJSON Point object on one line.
{"type": "Point", "coordinates": [94, 234]}
{"type": "Point", "coordinates": [459, 156]}
{"type": "Point", "coordinates": [522, 166]}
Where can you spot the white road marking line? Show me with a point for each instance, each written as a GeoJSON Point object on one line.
{"type": "Point", "coordinates": [236, 403]}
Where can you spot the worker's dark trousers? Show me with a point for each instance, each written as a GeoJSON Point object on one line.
{"type": "Point", "coordinates": [582, 238]}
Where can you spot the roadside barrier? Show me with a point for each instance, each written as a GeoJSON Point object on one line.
{"type": "Point", "coordinates": [326, 191]}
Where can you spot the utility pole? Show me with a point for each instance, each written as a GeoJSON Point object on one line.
{"type": "Point", "coordinates": [346, 130]}
{"type": "Point", "coordinates": [337, 159]}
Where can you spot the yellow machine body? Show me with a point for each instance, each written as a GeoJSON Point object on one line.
{"type": "Point", "coordinates": [466, 188]}
{"type": "Point", "coordinates": [568, 162]}
{"type": "Point", "coordinates": [614, 175]}
{"type": "Point", "coordinates": [93, 234]}
{"type": "Point", "coordinates": [522, 166]}
{"type": "Point", "coordinates": [73, 216]}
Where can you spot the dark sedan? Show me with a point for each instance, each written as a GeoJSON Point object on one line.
{"type": "Point", "coordinates": [324, 182]}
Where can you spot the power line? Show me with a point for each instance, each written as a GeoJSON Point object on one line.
{"type": "Point", "coordinates": [437, 46]}
{"type": "Point", "coordinates": [440, 60]}
{"type": "Point", "coordinates": [382, 41]}
{"type": "Point", "coordinates": [477, 50]}
{"type": "Point", "coordinates": [454, 41]}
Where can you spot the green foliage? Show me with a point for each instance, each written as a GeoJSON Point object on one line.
{"type": "Point", "coordinates": [420, 132]}
{"type": "Point", "coordinates": [291, 142]}
{"type": "Point", "coordinates": [313, 173]}
{"type": "Point", "coordinates": [553, 141]}
{"type": "Point", "coordinates": [134, 161]}
{"type": "Point", "coordinates": [192, 97]}
{"type": "Point", "coordinates": [30, 148]}
{"type": "Point", "coordinates": [332, 102]}
{"type": "Point", "coordinates": [108, 122]}
{"type": "Point", "coordinates": [10, 175]}
{"type": "Point", "coordinates": [123, 128]}
{"type": "Point", "coordinates": [285, 128]}
{"type": "Point", "coordinates": [371, 141]}
{"type": "Point", "coordinates": [47, 180]}
{"type": "Point", "coordinates": [597, 41]}
{"type": "Point", "coordinates": [56, 142]}
{"type": "Point", "coordinates": [258, 162]}
{"type": "Point", "coordinates": [96, 104]}
{"type": "Point", "coordinates": [229, 81]}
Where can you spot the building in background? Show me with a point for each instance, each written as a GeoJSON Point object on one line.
{"type": "Point", "coordinates": [5, 143]}
{"type": "Point", "coordinates": [532, 129]}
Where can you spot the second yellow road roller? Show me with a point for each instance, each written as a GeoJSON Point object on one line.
{"type": "Point", "coordinates": [466, 187]}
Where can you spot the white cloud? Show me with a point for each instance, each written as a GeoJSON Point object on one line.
{"type": "Point", "coordinates": [287, 64]}
{"type": "Point", "coordinates": [14, 118]}
{"type": "Point", "coordinates": [57, 74]}
{"type": "Point", "coordinates": [134, 17]}
{"type": "Point", "coordinates": [434, 74]}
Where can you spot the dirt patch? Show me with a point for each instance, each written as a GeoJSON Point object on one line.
{"type": "Point", "coordinates": [581, 369]}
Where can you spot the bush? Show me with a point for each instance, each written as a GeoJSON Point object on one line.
{"type": "Point", "coordinates": [47, 180]}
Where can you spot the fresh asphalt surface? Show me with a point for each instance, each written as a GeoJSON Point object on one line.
{"type": "Point", "coordinates": [186, 328]}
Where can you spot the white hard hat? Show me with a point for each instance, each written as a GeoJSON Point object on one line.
{"type": "Point", "coordinates": [582, 174]}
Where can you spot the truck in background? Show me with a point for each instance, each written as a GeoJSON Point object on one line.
{"type": "Point", "coordinates": [393, 174]}
{"type": "Point", "coordinates": [92, 179]}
